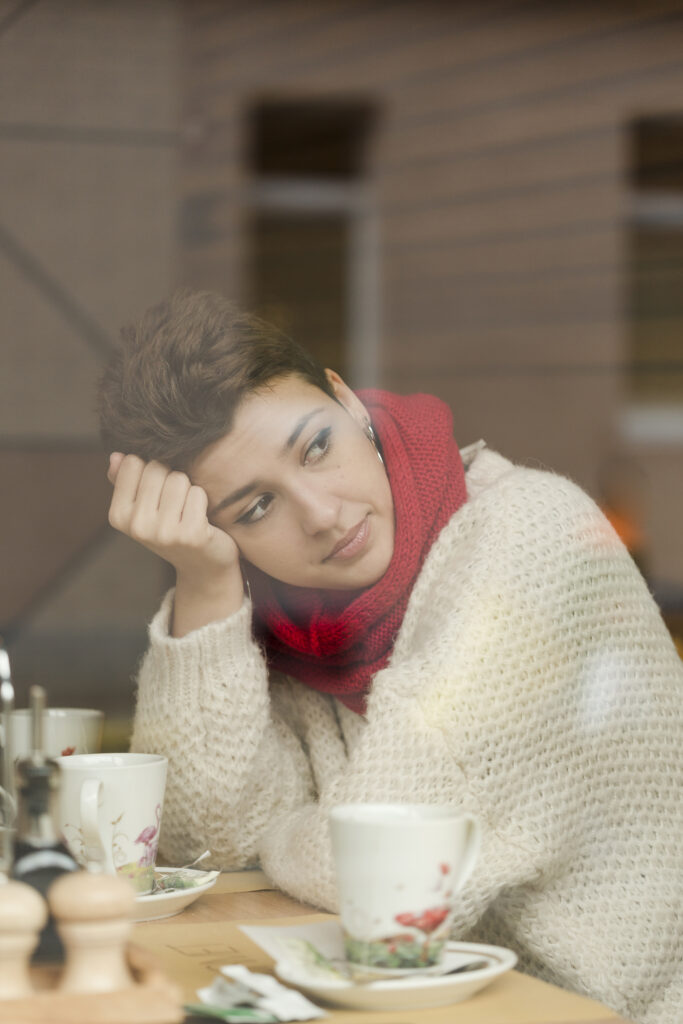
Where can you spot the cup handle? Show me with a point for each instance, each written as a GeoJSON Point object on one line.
{"type": "Point", "coordinates": [8, 808]}
{"type": "Point", "coordinates": [471, 851]}
{"type": "Point", "coordinates": [95, 852]}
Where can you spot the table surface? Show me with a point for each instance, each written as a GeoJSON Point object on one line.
{"type": "Point", "coordinates": [192, 945]}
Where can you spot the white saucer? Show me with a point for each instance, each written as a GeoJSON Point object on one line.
{"type": "Point", "coordinates": [407, 993]}
{"type": "Point", "coordinates": [166, 904]}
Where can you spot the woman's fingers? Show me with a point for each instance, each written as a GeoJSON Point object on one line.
{"type": "Point", "coordinates": [158, 505]}
{"type": "Point", "coordinates": [126, 481]}
{"type": "Point", "coordinates": [169, 514]}
{"type": "Point", "coordinates": [148, 499]}
{"type": "Point", "coordinates": [115, 460]}
{"type": "Point", "coordinates": [164, 511]}
{"type": "Point", "coordinates": [194, 511]}
{"type": "Point", "coordinates": [136, 497]}
{"type": "Point", "coordinates": [196, 530]}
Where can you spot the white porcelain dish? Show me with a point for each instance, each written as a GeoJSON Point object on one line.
{"type": "Point", "coordinates": [166, 904]}
{"type": "Point", "coordinates": [407, 993]}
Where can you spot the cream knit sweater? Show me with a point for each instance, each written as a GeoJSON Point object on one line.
{"type": "Point", "coordinates": [532, 682]}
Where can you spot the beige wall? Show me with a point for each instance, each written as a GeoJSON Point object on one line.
{"type": "Point", "coordinates": [88, 153]}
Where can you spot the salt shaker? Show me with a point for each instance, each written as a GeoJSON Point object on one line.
{"type": "Point", "coordinates": [94, 915]}
{"type": "Point", "coordinates": [23, 913]}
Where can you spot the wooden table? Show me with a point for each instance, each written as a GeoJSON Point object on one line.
{"type": "Point", "coordinates": [194, 944]}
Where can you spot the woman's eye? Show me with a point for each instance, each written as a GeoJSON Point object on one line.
{"type": "Point", "coordinates": [257, 511]}
{"type": "Point", "coordinates": [319, 446]}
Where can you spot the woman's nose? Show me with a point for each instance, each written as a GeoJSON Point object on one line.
{"type": "Point", "coordinates": [318, 509]}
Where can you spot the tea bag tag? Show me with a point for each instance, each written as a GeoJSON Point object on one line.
{"type": "Point", "coordinates": [23, 913]}
{"type": "Point", "coordinates": [94, 917]}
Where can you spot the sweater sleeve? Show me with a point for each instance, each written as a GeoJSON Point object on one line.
{"type": "Point", "coordinates": [203, 702]}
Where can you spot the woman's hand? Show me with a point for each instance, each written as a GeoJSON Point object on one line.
{"type": "Point", "coordinates": [162, 510]}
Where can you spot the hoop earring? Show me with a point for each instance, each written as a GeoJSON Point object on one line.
{"type": "Point", "coordinates": [372, 438]}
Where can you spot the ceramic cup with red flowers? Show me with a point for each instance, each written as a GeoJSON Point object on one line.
{"type": "Point", "coordinates": [110, 812]}
{"type": "Point", "coordinates": [65, 731]}
{"type": "Point", "coordinates": [399, 868]}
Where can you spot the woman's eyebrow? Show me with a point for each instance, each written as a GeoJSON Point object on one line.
{"type": "Point", "coordinates": [234, 496]}
{"type": "Point", "coordinates": [300, 424]}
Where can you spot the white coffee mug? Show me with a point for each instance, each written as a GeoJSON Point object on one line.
{"type": "Point", "coordinates": [65, 731]}
{"type": "Point", "coordinates": [399, 867]}
{"type": "Point", "coordinates": [110, 812]}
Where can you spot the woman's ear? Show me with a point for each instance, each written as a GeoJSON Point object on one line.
{"type": "Point", "coordinates": [346, 397]}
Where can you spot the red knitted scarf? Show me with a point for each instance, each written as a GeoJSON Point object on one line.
{"type": "Point", "coordinates": [334, 640]}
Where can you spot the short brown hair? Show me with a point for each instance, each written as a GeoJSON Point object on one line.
{"type": "Point", "coordinates": [174, 384]}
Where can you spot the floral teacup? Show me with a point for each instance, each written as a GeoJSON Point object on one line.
{"type": "Point", "coordinates": [399, 867]}
{"type": "Point", "coordinates": [65, 731]}
{"type": "Point", "coordinates": [110, 812]}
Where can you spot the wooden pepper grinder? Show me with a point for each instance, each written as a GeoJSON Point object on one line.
{"type": "Point", "coordinates": [40, 856]}
{"type": "Point", "coordinates": [94, 915]}
{"type": "Point", "coordinates": [23, 913]}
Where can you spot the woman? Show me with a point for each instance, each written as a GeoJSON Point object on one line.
{"type": "Point", "coordinates": [423, 625]}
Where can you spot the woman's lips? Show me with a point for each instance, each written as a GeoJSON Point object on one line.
{"type": "Point", "coordinates": [352, 542]}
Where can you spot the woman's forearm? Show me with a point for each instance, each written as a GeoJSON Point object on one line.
{"type": "Point", "coordinates": [199, 601]}
{"type": "Point", "coordinates": [203, 702]}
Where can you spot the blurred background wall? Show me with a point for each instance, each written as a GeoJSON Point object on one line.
{"type": "Point", "coordinates": [483, 200]}
{"type": "Point", "coordinates": [89, 123]}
